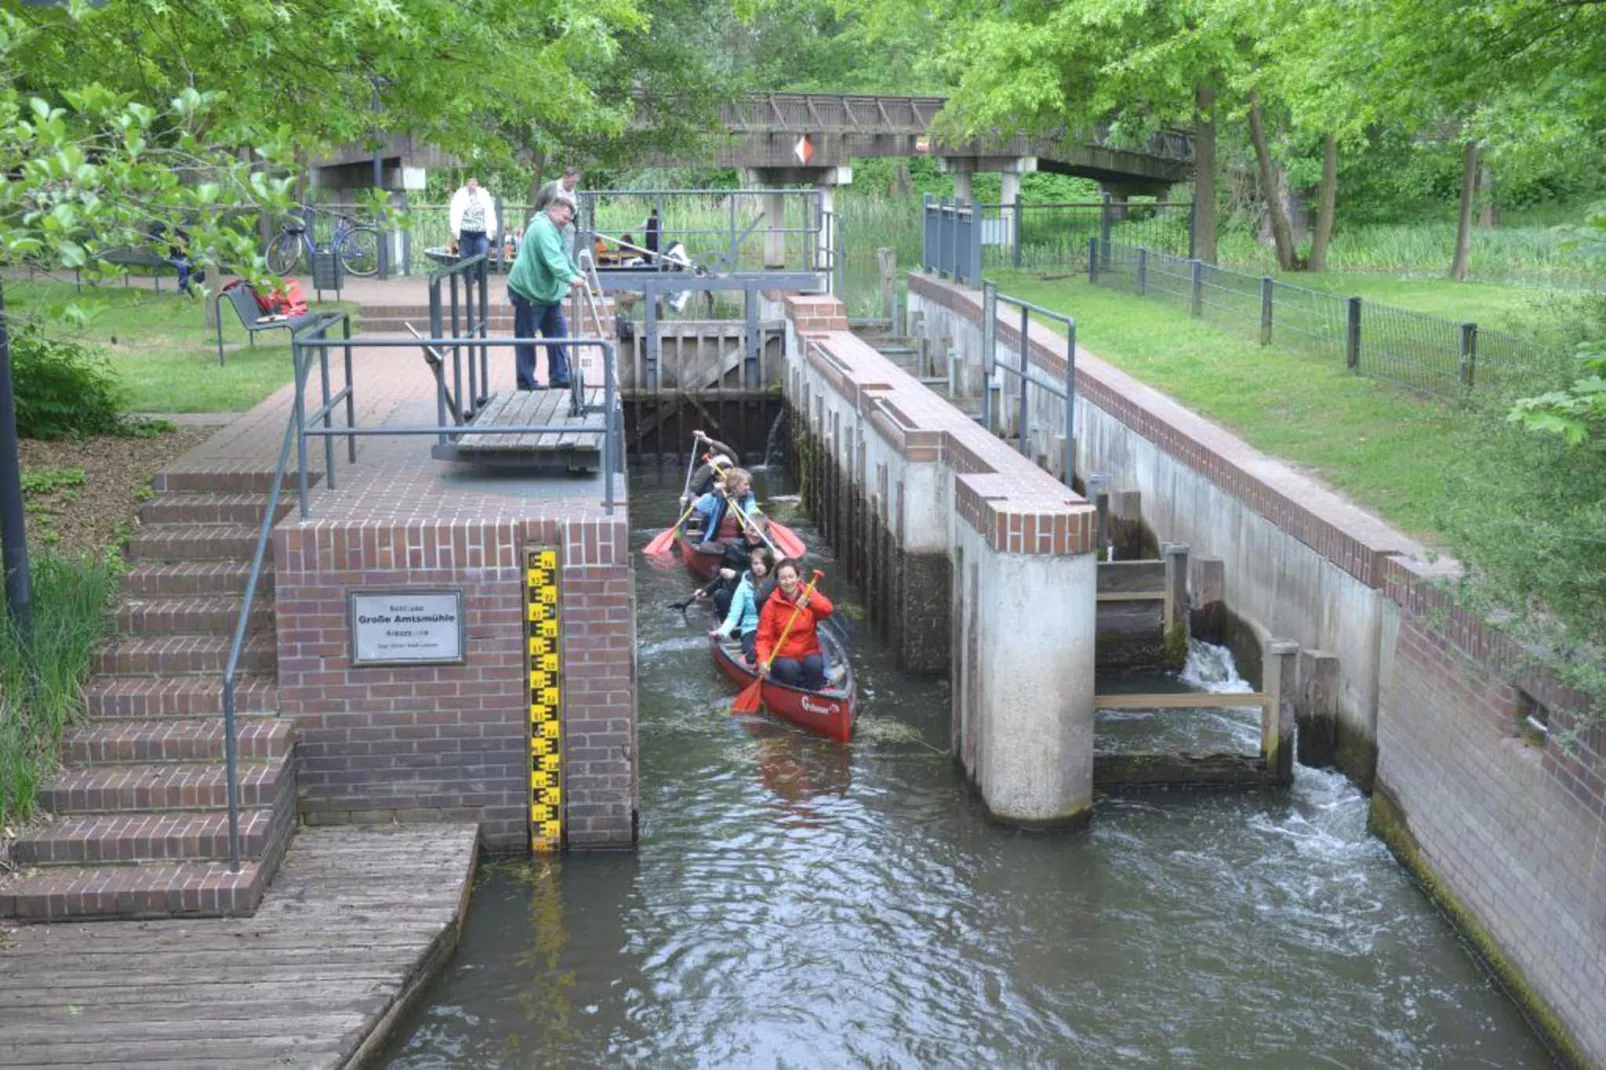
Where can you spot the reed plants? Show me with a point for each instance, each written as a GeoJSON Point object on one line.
{"type": "Point", "coordinates": [41, 677]}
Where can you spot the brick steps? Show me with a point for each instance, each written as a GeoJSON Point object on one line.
{"type": "Point", "coordinates": [151, 697]}
{"type": "Point", "coordinates": [194, 542]}
{"type": "Point", "coordinates": [139, 837]}
{"type": "Point", "coordinates": [243, 508]}
{"type": "Point", "coordinates": [169, 655]}
{"type": "Point", "coordinates": [164, 787]}
{"type": "Point", "coordinates": [195, 889]}
{"type": "Point", "coordinates": [141, 824]}
{"type": "Point", "coordinates": [181, 579]}
{"type": "Point", "coordinates": [117, 743]}
{"type": "Point", "coordinates": [204, 614]}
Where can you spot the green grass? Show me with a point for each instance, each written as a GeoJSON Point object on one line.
{"type": "Point", "coordinates": [158, 344]}
{"type": "Point", "coordinates": [40, 686]}
{"type": "Point", "coordinates": [1487, 304]}
{"type": "Point", "coordinates": [1386, 449]}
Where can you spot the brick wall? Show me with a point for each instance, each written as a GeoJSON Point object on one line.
{"type": "Point", "coordinates": [1510, 832]}
{"type": "Point", "coordinates": [451, 742]}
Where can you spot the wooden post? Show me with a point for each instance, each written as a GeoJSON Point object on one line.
{"type": "Point", "coordinates": [887, 264]}
{"type": "Point", "coordinates": [1208, 618]}
{"type": "Point", "coordinates": [1126, 523]}
{"type": "Point", "coordinates": [1316, 708]}
{"type": "Point", "coordinates": [1176, 602]}
{"type": "Point", "coordinates": [1280, 664]}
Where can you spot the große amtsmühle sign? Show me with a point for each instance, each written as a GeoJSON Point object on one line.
{"type": "Point", "coordinates": [406, 627]}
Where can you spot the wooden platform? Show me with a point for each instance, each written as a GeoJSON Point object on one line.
{"type": "Point", "coordinates": [354, 924]}
{"type": "Point", "coordinates": [571, 450]}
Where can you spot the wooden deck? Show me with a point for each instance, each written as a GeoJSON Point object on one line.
{"type": "Point", "coordinates": [357, 920]}
{"type": "Point", "coordinates": [571, 449]}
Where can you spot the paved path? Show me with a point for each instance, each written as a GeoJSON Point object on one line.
{"type": "Point", "coordinates": [357, 920]}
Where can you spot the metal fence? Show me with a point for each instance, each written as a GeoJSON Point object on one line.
{"type": "Point", "coordinates": [950, 242]}
{"type": "Point", "coordinates": [1425, 353]}
{"type": "Point", "coordinates": [1048, 234]}
{"type": "Point", "coordinates": [1026, 375]}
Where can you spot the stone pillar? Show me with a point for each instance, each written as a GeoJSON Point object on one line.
{"type": "Point", "coordinates": [1033, 727]}
{"type": "Point", "coordinates": [773, 204]}
{"type": "Point", "coordinates": [962, 191]}
{"type": "Point", "coordinates": [1009, 187]}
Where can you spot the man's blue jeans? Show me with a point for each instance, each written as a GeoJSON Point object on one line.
{"type": "Point", "coordinates": [473, 243]}
{"type": "Point", "coordinates": [529, 318]}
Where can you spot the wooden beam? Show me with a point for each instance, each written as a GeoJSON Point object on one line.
{"type": "Point", "coordinates": [1182, 700]}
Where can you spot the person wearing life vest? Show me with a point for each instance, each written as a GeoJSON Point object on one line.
{"type": "Point", "coordinates": [722, 529]}
{"type": "Point", "coordinates": [798, 661]}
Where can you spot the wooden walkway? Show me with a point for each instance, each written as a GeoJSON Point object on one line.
{"type": "Point", "coordinates": [536, 408]}
{"type": "Point", "coordinates": [357, 920]}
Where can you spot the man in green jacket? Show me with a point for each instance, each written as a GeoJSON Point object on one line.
{"type": "Point", "coordinates": [541, 277]}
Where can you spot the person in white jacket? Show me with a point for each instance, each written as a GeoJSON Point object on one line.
{"type": "Point", "coordinates": [473, 215]}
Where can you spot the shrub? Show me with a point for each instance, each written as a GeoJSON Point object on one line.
{"type": "Point", "coordinates": [64, 389]}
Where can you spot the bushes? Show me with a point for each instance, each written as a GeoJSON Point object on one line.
{"type": "Point", "coordinates": [40, 694]}
{"type": "Point", "coordinates": [64, 389]}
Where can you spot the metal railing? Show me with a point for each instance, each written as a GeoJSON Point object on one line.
{"type": "Point", "coordinates": [1065, 391]}
{"type": "Point", "coordinates": [1424, 353]}
{"type": "Point", "coordinates": [231, 668]}
{"type": "Point", "coordinates": [951, 239]}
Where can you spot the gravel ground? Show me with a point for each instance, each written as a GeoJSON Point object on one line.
{"type": "Point", "coordinates": [88, 518]}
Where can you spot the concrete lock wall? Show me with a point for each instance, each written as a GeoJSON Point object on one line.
{"type": "Point", "coordinates": [972, 559]}
{"type": "Point", "coordinates": [1505, 825]}
{"type": "Point", "coordinates": [1300, 562]}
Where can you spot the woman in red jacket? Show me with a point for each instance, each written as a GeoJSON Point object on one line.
{"type": "Point", "coordinates": [799, 661]}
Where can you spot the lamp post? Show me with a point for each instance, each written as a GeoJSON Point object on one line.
{"type": "Point", "coordinates": [13, 524]}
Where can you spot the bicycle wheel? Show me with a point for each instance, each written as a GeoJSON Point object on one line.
{"type": "Point", "coordinates": [284, 253]}
{"type": "Point", "coordinates": [359, 251]}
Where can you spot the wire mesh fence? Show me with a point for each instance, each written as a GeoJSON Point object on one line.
{"type": "Point", "coordinates": [1051, 234]}
{"type": "Point", "coordinates": [1424, 353]}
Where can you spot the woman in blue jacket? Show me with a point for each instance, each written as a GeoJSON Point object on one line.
{"type": "Point", "coordinates": [742, 620]}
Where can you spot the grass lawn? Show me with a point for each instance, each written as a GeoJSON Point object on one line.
{"type": "Point", "coordinates": [1488, 304]}
{"type": "Point", "coordinates": [163, 351]}
{"type": "Point", "coordinates": [1388, 450]}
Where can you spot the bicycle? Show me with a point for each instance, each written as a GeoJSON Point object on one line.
{"type": "Point", "coordinates": [356, 244]}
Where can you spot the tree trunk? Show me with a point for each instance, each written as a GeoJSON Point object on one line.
{"type": "Point", "coordinates": [903, 184]}
{"type": "Point", "coordinates": [1488, 215]}
{"type": "Point", "coordinates": [1204, 172]}
{"type": "Point", "coordinates": [1463, 223]}
{"type": "Point", "coordinates": [1287, 256]}
{"type": "Point", "coordinates": [537, 165]}
{"type": "Point", "coordinates": [1328, 208]}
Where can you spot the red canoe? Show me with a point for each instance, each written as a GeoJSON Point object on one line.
{"type": "Point", "coordinates": [830, 712]}
{"type": "Point", "coordinates": [703, 565]}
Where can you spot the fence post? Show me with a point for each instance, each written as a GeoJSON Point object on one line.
{"type": "Point", "coordinates": [1352, 336]}
{"type": "Point", "coordinates": [1019, 207]}
{"type": "Point", "coordinates": [1104, 224]}
{"type": "Point", "coordinates": [1192, 249]}
{"type": "Point", "coordinates": [1469, 353]}
{"type": "Point", "coordinates": [944, 226]}
{"type": "Point", "coordinates": [1266, 287]}
{"type": "Point", "coordinates": [1093, 258]}
{"type": "Point", "coordinates": [925, 233]}
{"type": "Point", "coordinates": [1143, 270]}
{"type": "Point", "coordinates": [1025, 378]}
{"type": "Point", "coordinates": [1068, 448]}
{"type": "Point", "coordinates": [1195, 288]}
{"type": "Point", "coordinates": [973, 246]}
{"type": "Point", "coordinates": [989, 350]}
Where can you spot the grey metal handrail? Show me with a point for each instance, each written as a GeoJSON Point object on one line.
{"type": "Point", "coordinates": [990, 297]}
{"type": "Point", "coordinates": [231, 667]}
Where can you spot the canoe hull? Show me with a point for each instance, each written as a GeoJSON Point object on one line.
{"type": "Point", "coordinates": [703, 565]}
{"type": "Point", "coordinates": [831, 713]}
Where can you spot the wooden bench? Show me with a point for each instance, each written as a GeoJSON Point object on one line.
{"type": "Point", "coordinates": [244, 300]}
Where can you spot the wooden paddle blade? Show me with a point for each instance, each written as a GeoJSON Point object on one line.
{"type": "Point", "coordinates": [751, 698]}
{"type": "Point", "coordinates": [661, 542]}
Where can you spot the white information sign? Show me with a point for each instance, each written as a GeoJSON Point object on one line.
{"type": "Point", "coordinates": [406, 627]}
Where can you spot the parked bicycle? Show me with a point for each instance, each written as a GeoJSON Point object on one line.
{"type": "Point", "coordinates": [355, 243]}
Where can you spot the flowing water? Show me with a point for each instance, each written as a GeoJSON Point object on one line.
{"type": "Point", "coordinates": [797, 903]}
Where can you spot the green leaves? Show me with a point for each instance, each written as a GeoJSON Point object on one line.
{"type": "Point", "coordinates": [1578, 413]}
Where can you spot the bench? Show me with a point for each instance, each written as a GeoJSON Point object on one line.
{"type": "Point", "coordinates": [130, 256]}
{"type": "Point", "coordinates": [243, 298]}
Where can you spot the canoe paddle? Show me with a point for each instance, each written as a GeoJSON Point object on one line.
{"type": "Point", "coordinates": [752, 695]}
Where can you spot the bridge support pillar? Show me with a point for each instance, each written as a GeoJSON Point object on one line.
{"type": "Point", "coordinates": [1009, 187]}
{"type": "Point", "coordinates": [964, 169]}
{"type": "Point", "coordinates": [823, 179]}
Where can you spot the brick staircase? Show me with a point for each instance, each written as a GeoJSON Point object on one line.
{"type": "Point", "coordinates": [140, 812]}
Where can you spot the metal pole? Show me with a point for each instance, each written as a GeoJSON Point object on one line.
{"type": "Point", "coordinates": [1025, 376]}
{"type": "Point", "coordinates": [750, 314]}
{"type": "Point", "coordinates": [457, 351]}
{"type": "Point", "coordinates": [1143, 270]}
{"type": "Point", "coordinates": [1352, 336]}
{"type": "Point", "coordinates": [328, 417]}
{"type": "Point", "coordinates": [231, 757]}
{"type": "Point", "coordinates": [1068, 449]}
{"type": "Point", "coordinates": [610, 459]}
{"type": "Point", "coordinates": [1266, 289]}
{"type": "Point", "coordinates": [351, 391]}
{"type": "Point", "coordinates": [485, 332]}
{"type": "Point", "coordinates": [301, 426]}
{"type": "Point", "coordinates": [1093, 258]}
{"type": "Point", "coordinates": [1104, 229]}
{"type": "Point", "coordinates": [653, 349]}
{"type": "Point", "coordinates": [1196, 288]}
{"type": "Point", "coordinates": [1469, 353]}
{"type": "Point", "coordinates": [989, 349]}
{"type": "Point", "coordinates": [1019, 207]}
{"type": "Point", "coordinates": [13, 517]}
